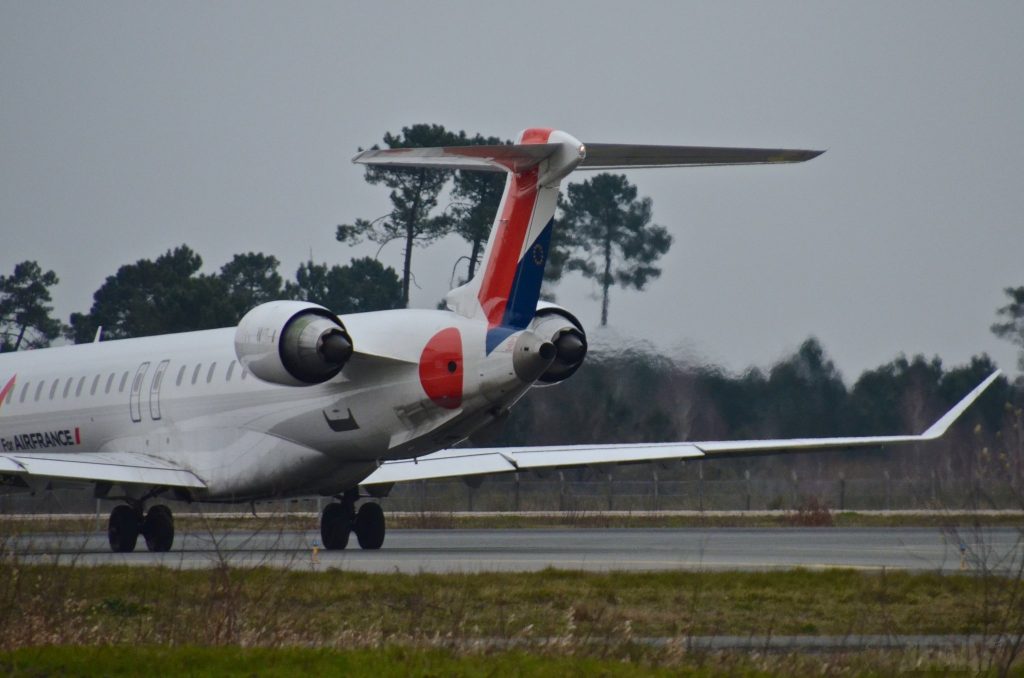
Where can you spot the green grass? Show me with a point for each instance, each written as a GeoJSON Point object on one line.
{"type": "Point", "coordinates": [384, 663]}
{"type": "Point", "coordinates": [398, 662]}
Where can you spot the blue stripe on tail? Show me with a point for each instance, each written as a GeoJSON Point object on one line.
{"type": "Point", "coordinates": [522, 300]}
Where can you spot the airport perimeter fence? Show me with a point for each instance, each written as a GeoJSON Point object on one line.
{"type": "Point", "coordinates": [610, 494]}
{"type": "Point", "coordinates": [561, 491]}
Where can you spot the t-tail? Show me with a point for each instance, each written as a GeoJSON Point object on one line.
{"type": "Point", "coordinates": [507, 290]}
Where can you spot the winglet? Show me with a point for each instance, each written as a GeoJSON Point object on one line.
{"type": "Point", "coordinates": [939, 427]}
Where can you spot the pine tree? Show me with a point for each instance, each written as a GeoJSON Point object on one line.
{"type": "Point", "coordinates": [414, 195]}
{"type": "Point", "coordinates": [609, 234]}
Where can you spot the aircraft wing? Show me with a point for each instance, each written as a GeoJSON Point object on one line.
{"type": "Point", "coordinates": [475, 461]}
{"type": "Point", "coordinates": [92, 467]}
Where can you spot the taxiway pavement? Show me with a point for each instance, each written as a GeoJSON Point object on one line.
{"type": "Point", "coordinates": [464, 550]}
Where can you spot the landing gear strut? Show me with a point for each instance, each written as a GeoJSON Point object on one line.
{"type": "Point", "coordinates": [128, 522]}
{"type": "Point", "coordinates": [340, 519]}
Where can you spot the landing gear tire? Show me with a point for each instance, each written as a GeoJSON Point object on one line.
{"type": "Point", "coordinates": [369, 527]}
{"type": "Point", "coordinates": [158, 529]}
{"type": "Point", "coordinates": [335, 526]}
{"type": "Point", "coordinates": [123, 529]}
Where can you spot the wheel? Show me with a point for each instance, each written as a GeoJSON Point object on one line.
{"type": "Point", "coordinates": [335, 526]}
{"type": "Point", "coordinates": [370, 526]}
{"type": "Point", "coordinates": [123, 529]}
{"type": "Point", "coordinates": [158, 529]}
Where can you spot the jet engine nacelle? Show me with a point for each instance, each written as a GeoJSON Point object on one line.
{"type": "Point", "coordinates": [555, 324]}
{"type": "Point", "coordinates": [292, 343]}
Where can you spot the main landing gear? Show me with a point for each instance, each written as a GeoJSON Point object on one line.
{"type": "Point", "coordinates": [127, 522]}
{"type": "Point", "coordinates": [340, 519]}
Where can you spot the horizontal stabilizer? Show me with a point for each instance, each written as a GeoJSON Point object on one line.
{"type": "Point", "coordinates": [614, 156]}
{"type": "Point", "coordinates": [504, 158]}
{"type": "Point", "coordinates": [518, 158]}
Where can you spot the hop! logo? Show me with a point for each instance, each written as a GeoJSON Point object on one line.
{"type": "Point", "coordinates": [538, 254]}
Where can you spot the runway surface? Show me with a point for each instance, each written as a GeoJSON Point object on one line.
{"type": "Point", "coordinates": [534, 549]}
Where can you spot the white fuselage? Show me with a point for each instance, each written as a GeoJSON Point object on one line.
{"type": "Point", "coordinates": [185, 399]}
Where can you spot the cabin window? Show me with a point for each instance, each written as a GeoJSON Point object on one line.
{"type": "Point", "coordinates": [124, 381]}
{"type": "Point", "coordinates": [39, 389]}
{"type": "Point", "coordinates": [181, 375]}
{"type": "Point", "coordinates": [78, 390]}
{"type": "Point", "coordinates": [24, 392]}
{"type": "Point", "coordinates": [95, 383]}
{"type": "Point", "coordinates": [110, 382]}
{"type": "Point", "coordinates": [195, 373]}
{"type": "Point", "coordinates": [209, 375]}
{"type": "Point", "coordinates": [53, 389]}
{"type": "Point", "coordinates": [231, 368]}
{"type": "Point", "coordinates": [156, 381]}
{"type": "Point", "coordinates": [67, 387]}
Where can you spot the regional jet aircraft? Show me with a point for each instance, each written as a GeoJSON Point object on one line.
{"type": "Point", "coordinates": [297, 401]}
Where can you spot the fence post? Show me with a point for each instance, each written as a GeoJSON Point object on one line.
{"type": "Point", "coordinates": [700, 486]}
{"type": "Point", "coordinates": [888, 502]}
{"type": "Point", "coordinates": [561, 491]}
{"type": "Point", "coordinates": [842, 491]}
{"type": "Point", "coordinates": [516, 476]}
{"type": "Point", "coordinates": [796, 498]}
{"type": "Point", "coordinates": [611, 491]}
{"type": "Point", "coordinates": [934, 488]}
{"type": "Point", "coordinates": [423, 496]}
{"type": "Point", "coordinates": [654, 479]}
{"type": "Point", "coordinates": [469, 496]}
{"type": "Point", "coordinates": [746, 486]}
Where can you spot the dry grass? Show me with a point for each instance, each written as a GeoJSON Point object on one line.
{"type": "Point", "coordinates": [42, 604]}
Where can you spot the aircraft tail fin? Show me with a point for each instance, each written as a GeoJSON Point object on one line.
{"type": "Point", "coordinates": [508, 288]}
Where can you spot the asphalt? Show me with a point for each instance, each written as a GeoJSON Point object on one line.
{"type": "Point", "coordinates": [871, 549]}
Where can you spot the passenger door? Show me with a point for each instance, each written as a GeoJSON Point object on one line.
{"type": "Point", "coordinates": [154, 389]}
{"type": "Point", "coordinates": [136, 393]}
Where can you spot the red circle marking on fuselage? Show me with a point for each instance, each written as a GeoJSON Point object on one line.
{"type": "Point", "coordinates": [441, 368]}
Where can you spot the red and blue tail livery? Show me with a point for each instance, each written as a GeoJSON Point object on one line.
{"type": "Point", "coordinates": [517, 250]}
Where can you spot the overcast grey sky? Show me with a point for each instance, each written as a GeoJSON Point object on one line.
{"type": "Point", "coordinates": [129, 128]}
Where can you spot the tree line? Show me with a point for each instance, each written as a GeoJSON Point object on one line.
{"type": "Point", "coordinates": [636, 396]}
{"type": "Point", "coordinates": [170, 294]}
